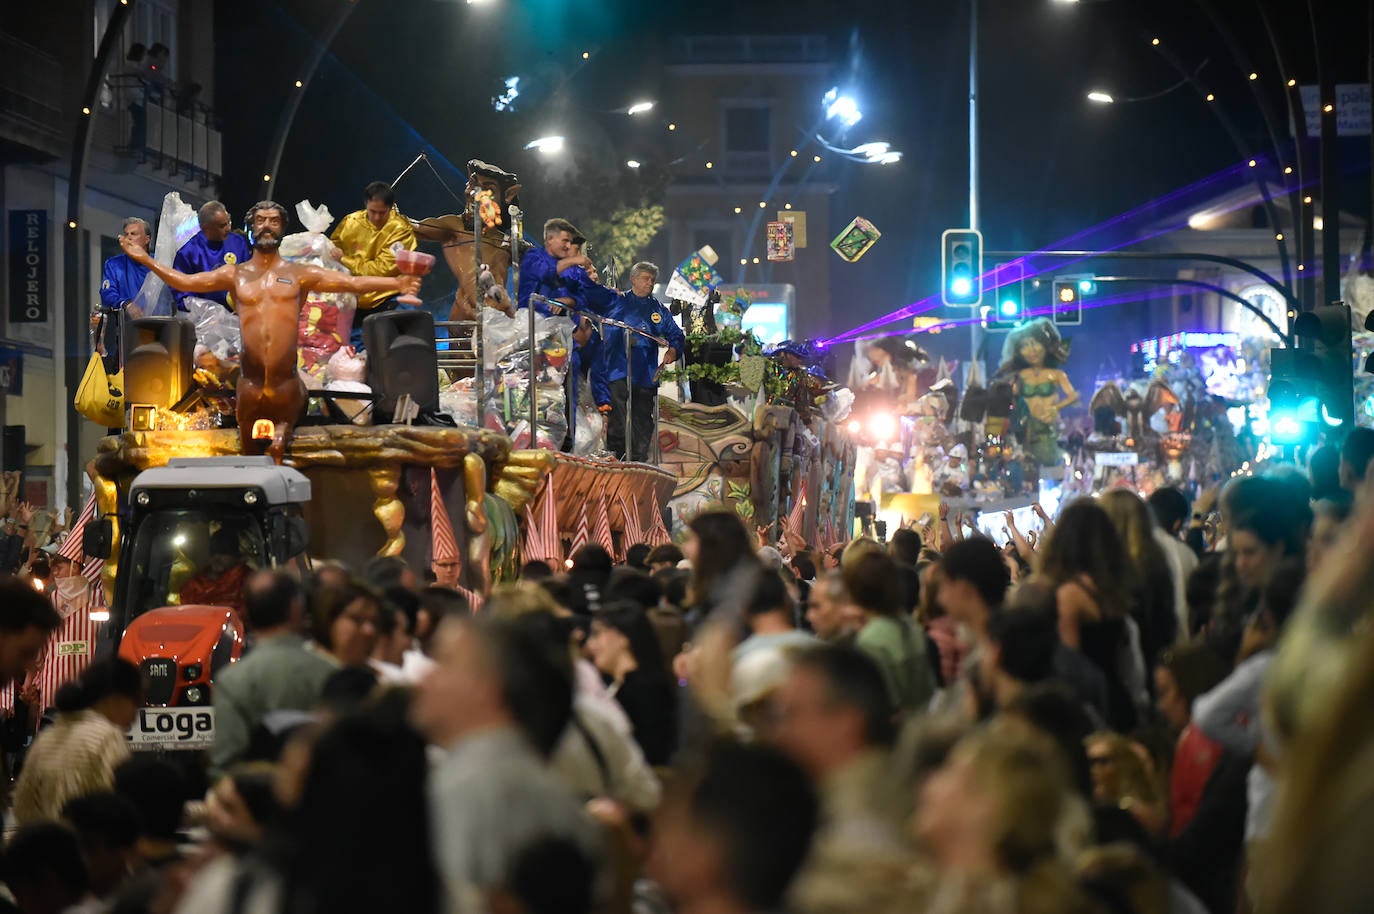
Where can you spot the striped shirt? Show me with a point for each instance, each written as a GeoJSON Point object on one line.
{"type": "Point", "coordinates": [74, 757]}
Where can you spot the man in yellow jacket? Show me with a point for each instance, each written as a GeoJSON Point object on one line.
{"type": "Point", "coordinates": [368, 240]}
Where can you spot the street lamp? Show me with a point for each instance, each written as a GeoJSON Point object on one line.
{"type": "Point", "coordinates": [548, 145]}
{"type": "Point", "coordinates": [639, 108]}
{"type": "Point", "coordinates": [632, 163]}
{"type": "Point", "coordinates": [842, 108]}
{"type": "Point", "coordinates": [1102, 98]}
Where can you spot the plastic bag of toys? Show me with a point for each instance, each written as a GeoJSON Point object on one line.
{"type": "Point", "coordinates": [459, 400]}
{"type": "Point", "coordinates": [326, 318]}
{"type": "Point", "coordinates": [590, 434]}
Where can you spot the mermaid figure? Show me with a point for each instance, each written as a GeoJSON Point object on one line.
{"type": "Point", "coordinates": [1033, 356]}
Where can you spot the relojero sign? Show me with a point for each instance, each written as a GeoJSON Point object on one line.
{"type": "Point", "coordinates": [28, 266]}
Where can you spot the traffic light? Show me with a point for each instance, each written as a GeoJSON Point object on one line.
{"type": "Point", "coordinates": [1068, 301]}
{"type": "Point", "coordinates": [1324, 333]}
{"type": "Point", "coordinates": [1009, 303]}
{"type": "Point", "coordinates": [961, 264]}
{"type": "Point", "coordinates": [1294, 396]}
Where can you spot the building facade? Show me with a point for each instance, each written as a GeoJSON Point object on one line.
{"type": "Point", "coordinates": [154, 132]}
{"type": "Point", "coordinates": [746, 110]}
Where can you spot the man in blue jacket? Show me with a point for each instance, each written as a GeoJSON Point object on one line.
{"type": "Point", "coordinates": [541, 269]}
{"type": "Point", "coordinates": [590, 297]}
{"type": "Point", "coordinates": [211, 248]}
{"type": "Point", "coordinates": [610, 384]}
{"type": "Point", "coordinates": [119, 284]}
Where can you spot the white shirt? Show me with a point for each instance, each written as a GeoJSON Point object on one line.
{"type": "Point", "coordinates": [1182, 561]}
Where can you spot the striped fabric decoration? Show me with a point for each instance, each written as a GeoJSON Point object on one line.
{"type": "Point", "coordinates": [634, 530]}
{"type": "Point", "coordinates": [658, 534]}
{"type": "Point", "coordinates": [548, 524]}
{"type": "Point", "coordinates": [532, 543]}
{"type": "Point", "coordinates": [443, 544]}
{"type": "Point", "coordinates": [582, 536]}
{"type": "Point", "coordinates": [71, 546]}
{"type": "Point", "coordinates": [601, 531]}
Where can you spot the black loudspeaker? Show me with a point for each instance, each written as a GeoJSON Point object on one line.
{"type": "Point", "coordinates": [159, 356]}
{"type": "Point", "coordinates": [13, 446]}
{"type": "Point", "coordinates": [401, 360]}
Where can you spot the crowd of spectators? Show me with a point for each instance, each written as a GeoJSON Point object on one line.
{"type": "Point", "coordinates": [1151, 705]}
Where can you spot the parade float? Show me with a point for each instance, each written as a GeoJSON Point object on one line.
{"type": "Point", "coordinates": [447, 452]}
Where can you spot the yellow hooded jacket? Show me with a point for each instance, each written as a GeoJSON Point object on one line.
{"type": "Point", "coordinates": [367, 250]}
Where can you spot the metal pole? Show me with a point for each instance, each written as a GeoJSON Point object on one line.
{"type": "Point", "coordinates": [629, 392]}
{"type": "Point", "coordinates": [1331, 207]}
{"type": "Point", "coordinates": [293, 100]}
{"type": "Point", "coordinates": [74, 288]}
{"type": "Point", "coordinates": [479, 338]}
{"type": "Point", "coordinates": [516, 230]}
{"type": "Point", "coordinates": [974, 336]}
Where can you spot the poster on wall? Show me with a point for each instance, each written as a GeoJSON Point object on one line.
{"type": "Point", "coordinates": [28, 266]}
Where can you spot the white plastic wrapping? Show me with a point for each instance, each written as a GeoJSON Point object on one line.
{"type": "Point", "coordinates": [177, 225]}
{"type": "Point", "coordinates": [326, 318]}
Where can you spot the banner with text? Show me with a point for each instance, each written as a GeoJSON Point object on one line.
{"type": "Point", "coordinates": [28, 266]}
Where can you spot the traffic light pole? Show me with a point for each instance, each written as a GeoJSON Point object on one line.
{"type": "Point", "coordinates": [975, 342]}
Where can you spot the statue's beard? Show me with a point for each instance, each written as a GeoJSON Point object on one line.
{"type": "Point", "coordinates": [266, 240]}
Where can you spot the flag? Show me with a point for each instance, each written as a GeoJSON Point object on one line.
{"type": "Point", "coordinates": [443, 544]}
{"type": "Point", "coordinates": [658, 534]}
{"type": "Point", "coordinates": [794, 519]}
{"type": "Point", "coordinates": [601, 532]}
{"type": "Point", "coordinates": [475, 599]}
{"type": "Point", "coordinates": [634, 530]}
{"type": "Point", "coordinates": [71, 547]}
{"type": "Point", "coordinates": [582, 536]}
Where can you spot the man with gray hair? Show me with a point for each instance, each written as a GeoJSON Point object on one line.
{"type": "Point", "coordinates": [215, 245]}
{"type": "Point", "coordinates": [120, 282]}
{"type": "Point", "coordinates": [613, 376]}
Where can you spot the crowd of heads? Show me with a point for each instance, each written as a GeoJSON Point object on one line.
{"type": "Point", "coordinates": [1098, 721]}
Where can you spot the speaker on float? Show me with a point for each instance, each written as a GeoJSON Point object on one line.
{"type": "Point", "coordinates": [159, 357]}
{"type": "Point", "coordinates": [401, 360]}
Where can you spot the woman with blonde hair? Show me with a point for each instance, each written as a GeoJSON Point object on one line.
{"type": "Point", "coordinates": [1151, 590]}
{"type": "Point", "coordinates": [1001, 822]}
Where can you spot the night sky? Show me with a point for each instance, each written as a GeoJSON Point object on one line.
{"type": "Point", "coordinates": [405, 73]}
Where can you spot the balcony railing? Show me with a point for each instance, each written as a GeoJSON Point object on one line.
{"type": "Point", "coordinates": [165, 128]}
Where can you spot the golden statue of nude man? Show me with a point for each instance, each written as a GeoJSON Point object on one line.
{"type": "Point", "coordinates": [268, 293]}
